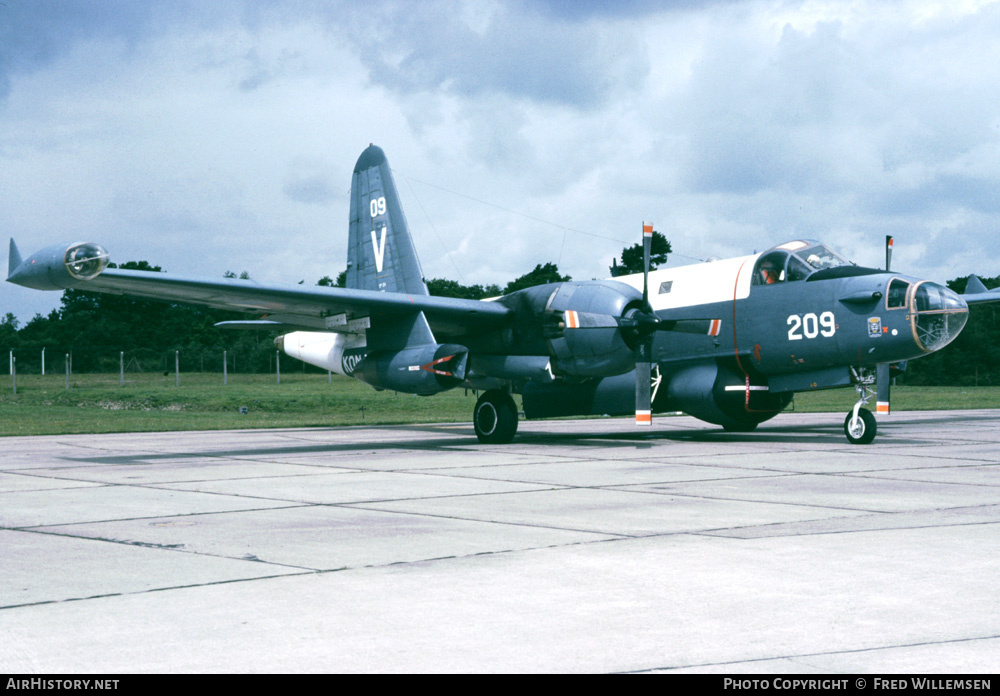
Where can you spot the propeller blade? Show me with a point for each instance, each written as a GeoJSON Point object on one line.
{"type": "Point", "coordinates": [888, 252]}
{"type": "Point", "coordinates": [647, 245]}
{"type": "Point", "coordinates": [643, 325]}
{"type": "Point", "coordinates": [882, 386]}
{"type": "Point", "coordinates": [643, 381]}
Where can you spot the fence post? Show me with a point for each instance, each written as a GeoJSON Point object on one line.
{"type": "Point", "coordinates": [177, 367]}
{"type": "Point", "coordinates": [43, 362]}
{"type": "Point", "coordinates": [225, 369]}
{"type": "Point", "coordinates": [13, 372]}
{"type": "Point", "coordinates": [277, 364]}
{"type": "Point", "coordinates": [67, 371]}
{"type": "Point", "coordinates": [121, 369]}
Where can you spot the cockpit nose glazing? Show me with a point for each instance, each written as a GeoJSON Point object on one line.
{"type": "Point", "coordinates": [937, 315]}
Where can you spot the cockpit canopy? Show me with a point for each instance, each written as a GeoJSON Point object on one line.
{"type": "Point", "coordinates": [794, 261]}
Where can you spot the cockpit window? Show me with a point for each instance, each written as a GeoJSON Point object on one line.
{"type": "Point", "coordinates": [794, 261]}
{"type": "Point", "coordinates": [896, 295]}
{"type": "Point", "coordinates": [770, 268]}
{"type": "Point", "coordinates": [820, 257]}
{"type": "Point", "coordinates": [798, 269]}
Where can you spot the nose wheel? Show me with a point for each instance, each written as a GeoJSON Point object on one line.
{"type": "Point", "coordinates": [495, 417]}
{"type": "Point", "coordinates": [859, 425]}
{"type": "Point", "coordinates": [860, 428]}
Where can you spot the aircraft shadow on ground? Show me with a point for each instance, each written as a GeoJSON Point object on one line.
{"type": "Point", "coordinates": [464, 438]}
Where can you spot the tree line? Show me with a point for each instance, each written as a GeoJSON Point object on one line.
{"type": "Point", "coordinates": [94, 329]}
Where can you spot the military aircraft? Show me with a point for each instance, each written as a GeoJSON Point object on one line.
{"type": "Point", "coordinates": [727, 341]}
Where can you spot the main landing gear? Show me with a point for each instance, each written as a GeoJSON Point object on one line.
{"type": "Point", "coordinates": [495, 417]}
{"type": "Point", "coordinates": [859, 426]}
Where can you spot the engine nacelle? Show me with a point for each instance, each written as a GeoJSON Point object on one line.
{"type": "Point", "coordinates": [718, 393]}
{"type": "Point", "coordinates": [576, 324]}
{"type": "Point", "coordinates": [423, 370]}
{"type": "Point", "coordinates": [60, 266]}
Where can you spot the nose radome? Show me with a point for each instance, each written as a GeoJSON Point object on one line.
{"type": "Point", "coordinates": [938, 316]}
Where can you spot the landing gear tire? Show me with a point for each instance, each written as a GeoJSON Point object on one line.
{"type": "Point", "coordinates": [495, 417]}
{"type": "Point", "coordinates": [864, 432]}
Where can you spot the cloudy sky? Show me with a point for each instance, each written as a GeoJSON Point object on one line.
{"type": "Point", "coordinates": [214, 136]}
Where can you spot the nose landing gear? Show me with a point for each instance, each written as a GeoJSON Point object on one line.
{"type": "Point", "coordinates": [859, 425]}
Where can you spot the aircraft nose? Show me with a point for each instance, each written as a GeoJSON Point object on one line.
{"type": "Point", "coordinates": [937, 315]}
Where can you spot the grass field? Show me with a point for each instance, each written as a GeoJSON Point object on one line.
{"type": "Point", "coordinates": [153, 402]}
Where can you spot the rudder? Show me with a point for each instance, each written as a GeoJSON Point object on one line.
{"type": "Point", "coordinates": [380, 252]}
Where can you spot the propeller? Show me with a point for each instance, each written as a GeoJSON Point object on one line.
{"type": "Point", "coordinates": [644, 343]}
{"type": "Point", "coordinates": [637, 327]}
{"type": "Point", "coordinates": [882, 380]}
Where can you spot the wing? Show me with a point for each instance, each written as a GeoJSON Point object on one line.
{"type": "Point", "coordinates": [316, 308]}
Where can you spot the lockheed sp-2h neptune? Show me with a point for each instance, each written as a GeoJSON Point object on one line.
{"type": "Point", "coordinates": [728, 342]}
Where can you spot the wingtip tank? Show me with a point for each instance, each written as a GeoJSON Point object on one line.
{"type": "Point", "coordinates": [57, 267]}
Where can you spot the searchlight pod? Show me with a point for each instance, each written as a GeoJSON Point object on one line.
{"type": "Point", "coordinates": [86, 260]}
{"type": "Point", "coordinates": [57, 267]}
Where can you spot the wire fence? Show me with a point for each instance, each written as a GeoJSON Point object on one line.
{"type": "Point", "coordinates": [59, 360]}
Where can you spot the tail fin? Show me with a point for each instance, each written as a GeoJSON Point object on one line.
{"type": "Point", "coordinates": [380, 253]}
{"type": "Point", "coordinates": [14, 259]}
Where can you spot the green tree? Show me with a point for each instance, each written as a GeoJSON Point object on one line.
{"type": "Point", "coordinates": [632, 256]}
{"type": "Point", "coordinates": [442, 287]}
{"type": "Point", "coordinates": [8, 331]}
{"type": "Point", "coordinates": [549, 273]}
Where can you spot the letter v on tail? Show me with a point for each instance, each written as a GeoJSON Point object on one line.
{"type": "Point", "coordinates": [378, 246]}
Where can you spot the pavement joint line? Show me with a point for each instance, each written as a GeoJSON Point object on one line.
{"type": "Point", "coordinates": [507, 523]}
{"type": "Point", "coordinates": [163, 547]}
{"type": "Point", "coordinates": [160, 589]}
{"type": "Point", "coordinates": [829, 653]}
{"type": "Point", "coordinates": [543, 487]}
{"type": "Point", "coordinates": [718, 533]}
{"type": "Point", "coordinates": [609, 487]}
{"type": "Point", "coordinates": [867, 475]}
{"type": "Point", "coordinates": [30, 528]}
{"type": "Point", "coordinates": [305, 570]}
{"type": "Point", "coordinates": [145, 483]}
{"type": "Point", "coordinates": [764, 502]}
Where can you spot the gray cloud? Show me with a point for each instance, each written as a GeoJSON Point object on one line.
{"type": "Point", "coordinates": [315, 189]}
{"type": "Point", "coordinates": [514, 51]}
{"type": "Point", "coordinates": [33, 33]}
